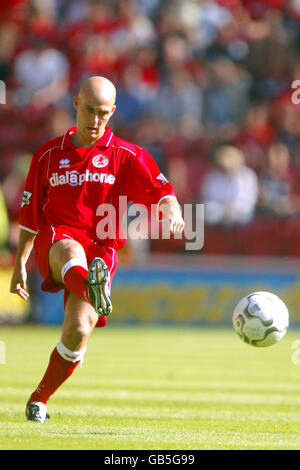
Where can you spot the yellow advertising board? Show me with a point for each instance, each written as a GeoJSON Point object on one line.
{"type": "Point", "coordinates": [166, 295]}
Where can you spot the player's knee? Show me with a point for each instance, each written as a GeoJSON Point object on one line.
{"type": "Point", "coordinates": [84, 330]}
{"type": "Point", "coordinates": [62, 252]}
{"type": "Point", "coordinates": [77, 335]}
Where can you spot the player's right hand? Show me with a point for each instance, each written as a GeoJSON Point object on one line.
{"type": "Point", "coordinates": [18, 282]}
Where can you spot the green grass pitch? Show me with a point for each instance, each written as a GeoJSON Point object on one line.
{"type": "Point", "coordinates": [154, 389]}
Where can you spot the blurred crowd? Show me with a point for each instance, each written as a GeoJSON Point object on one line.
{"type": "Point", "coordinates": [206, 86]}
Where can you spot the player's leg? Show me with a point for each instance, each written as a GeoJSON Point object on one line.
{"type": "Point", "coordinates": [68, 265]}
{"type": "Point", "coordinates": [65, 262]}
{"type": "Point", "coordinates": [80, 319]}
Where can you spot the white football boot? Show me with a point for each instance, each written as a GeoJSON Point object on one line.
{"type": "Point", "coordinates": [37, 411]}
{"type": "Point", "coordinates": [98, 286]}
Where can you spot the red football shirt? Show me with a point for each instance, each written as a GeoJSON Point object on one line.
{"type": "Point", "coordinates": [68, 185]}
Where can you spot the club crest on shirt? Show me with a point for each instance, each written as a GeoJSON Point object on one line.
{"type": "Point", "coordinates": [100, 161]}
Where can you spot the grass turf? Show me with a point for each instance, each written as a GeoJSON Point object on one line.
{"type": "Point", "coordinates": [155, 390]}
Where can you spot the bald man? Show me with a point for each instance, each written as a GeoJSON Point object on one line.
{"type": "Point", "coordinates": [71, 178]}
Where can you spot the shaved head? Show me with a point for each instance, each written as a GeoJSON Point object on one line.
{"type": "Point", "coordinates": [95, 104]}
{"type": "Point", "coordinates": [98, 89]}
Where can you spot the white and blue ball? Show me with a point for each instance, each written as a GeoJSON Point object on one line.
{"type": "Point", "coordinates": [261, 319]}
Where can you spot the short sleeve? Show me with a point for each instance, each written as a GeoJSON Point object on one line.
{"type": "Point", "coordinates": [145, 183]}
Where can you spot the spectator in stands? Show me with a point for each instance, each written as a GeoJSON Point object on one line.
{"type": "Point", "coordinates": [42, 75]}
{"type": "Point", "coordinates": [256, 136]}
{"type": "Point", "coordinates": [279, 184]}
{"type": "Point", "coordinates": [225, 97]}
{"type": "Point", "coordinates": [9, 36]}
{"type": "Point", "coordinates": [230, 190]}
{"type": "Point", "coordinates": [177, 98]}
{"type": "Point", "coordinates": [131, 101]}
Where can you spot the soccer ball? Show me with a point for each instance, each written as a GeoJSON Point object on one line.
{"type": "Point", "coordinates": [261, 319]}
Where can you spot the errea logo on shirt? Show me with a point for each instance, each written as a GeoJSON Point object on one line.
{"type": "Point", "coordinates": [74, 178]}
{"type": "Point", "coordinates": [64, 163]}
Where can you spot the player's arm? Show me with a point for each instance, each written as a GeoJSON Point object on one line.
{"type": "Point", "coordinates": [29, 220]}
{"type": "Point", "coordinates": [149, 187]}
{"type": "Point", "coordinates": [172, 214]}
{"type": "Point", "coordinates": [19, 277]}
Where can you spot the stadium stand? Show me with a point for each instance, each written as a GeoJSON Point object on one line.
{"type": "Point", "coordinates": [191, 76]}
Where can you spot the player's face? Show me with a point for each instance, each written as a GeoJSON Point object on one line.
{"type": "Point", "coordinates": [92, 118]}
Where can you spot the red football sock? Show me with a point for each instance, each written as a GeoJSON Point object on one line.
{"type": "Point", "coordinates": [74, 280]}
{"type": "Point", "coordinates": [101, 322]}
{"type": "Point", "coordinates": [59, 369]}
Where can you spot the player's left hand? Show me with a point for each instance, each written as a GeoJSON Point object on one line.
{"type": "Point", "coordinates": [176, 222]}
{"type": "Point", "coordinates": [18, 282]}
{"type": "Point", "coordinates": [172, 215]}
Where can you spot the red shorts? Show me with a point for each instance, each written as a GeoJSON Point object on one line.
{"type": "Point", "coordinates": [48, 235]}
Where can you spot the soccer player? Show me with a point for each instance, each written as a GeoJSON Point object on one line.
{"type": "Point", "coordinates": [70, 180]}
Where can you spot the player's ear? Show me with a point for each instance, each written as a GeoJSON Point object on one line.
{"type": "Point", "coordinates": [75, 102]}
{"type": "Point", "coordinates": [113, 110]}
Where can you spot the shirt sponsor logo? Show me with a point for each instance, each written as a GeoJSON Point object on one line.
{"type": "Point", "coordinates": [100, 161]}
{"type": "Point", "coordinates": [64, 163]}
{"type": "Point", "coordinates": [74, 178]}
{"type": "Point", "coordinates": [26, 198]}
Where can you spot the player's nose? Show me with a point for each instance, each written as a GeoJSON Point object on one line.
{"type": "Point", "coordinates": [95, 120]}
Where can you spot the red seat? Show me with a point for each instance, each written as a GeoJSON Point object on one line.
{"type": "Point", "coordinates": [261, 238]}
